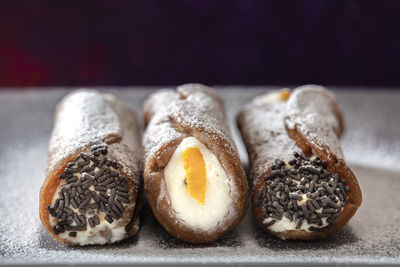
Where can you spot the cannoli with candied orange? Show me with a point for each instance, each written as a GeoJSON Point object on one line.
{"type": "Point", "coordinates": [194, 181]}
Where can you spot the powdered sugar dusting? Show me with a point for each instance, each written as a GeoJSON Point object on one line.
{"type": "Point", "coordinates": [270, 141]}
{"type": "Point", "coordinates": [202, 111]}
{"type": "Point", "coordinates": [190, 108]}
{"type": "Point", "coordinates": [312, 110]}
{"type": "Point", "coordinates": [82, 118]}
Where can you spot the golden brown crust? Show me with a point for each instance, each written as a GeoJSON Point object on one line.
{"type": "Point", "coordinates": [123, 147]}
{"type": "Point", "coordinates": [196, 111]}
{"type": "Point", "coordinates": [293, 132]}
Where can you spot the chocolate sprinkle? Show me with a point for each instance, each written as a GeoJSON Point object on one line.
{"type": "Point", "coordinates": [51, 211]}
{"type": "Point", "coordinates": [72, 234]}
{"type": "Point", "coordinates": [55, 230]}
{"type": "Point", "coordinates": [286, 188]}
{"type": "Point", "coordinates": [114, 214]}
{"type": "Point", "coordinates": [96, 220]}
{"type": "Point", "coordinates": [108, 219]}
{"type": "Point", "coordinates": [98, 190]}
{"type": "Point", "coordinates": [122, 194]}
{"type": "Point", "coordinates": [122, 199]}
{"type": "Point", "coordinates": [91, 223]}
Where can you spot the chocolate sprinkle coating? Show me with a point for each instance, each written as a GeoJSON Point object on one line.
{"type": "Point", "coordinates": [285, 188]}
{"type": "Point", "coordinates": [109, 194]}
{"type": "Point", "coordinates": [108, 218]}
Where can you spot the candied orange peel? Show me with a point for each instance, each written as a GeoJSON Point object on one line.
{"type": "Point", "coordinates": [196, 178]}
{"type": "Point", "coordinates": [285, 94]}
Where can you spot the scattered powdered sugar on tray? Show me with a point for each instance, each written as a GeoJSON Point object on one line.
{"type": "Point", "coordinates": [370, 144]}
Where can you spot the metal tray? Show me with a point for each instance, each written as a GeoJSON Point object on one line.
{"type": "Point", "coordinates": [371, 145]}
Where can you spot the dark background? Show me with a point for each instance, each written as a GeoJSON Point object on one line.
{"type": "Point", "coordinates": [282, 42]}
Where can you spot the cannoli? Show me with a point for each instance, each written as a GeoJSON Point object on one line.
{"type": "Point", "coordinates": [193, 178]}
{"type": "Point", "coordinates": [90, 194]}
{"type": "Point", "coordinates": [301, 186]}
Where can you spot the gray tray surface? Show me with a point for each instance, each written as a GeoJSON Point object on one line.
{"type": "Point", "coordinates": [371, 146]}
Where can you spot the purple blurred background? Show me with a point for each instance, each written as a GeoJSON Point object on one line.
{"type": "Point", "coordinates": [282, 42]}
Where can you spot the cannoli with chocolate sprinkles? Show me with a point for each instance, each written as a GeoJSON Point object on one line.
{"type": "Point", "coordinates": [301, 186]}
{"type": "Point", "coordinates": [91, 191]}
{"type": "Point", "coordinates": [194, 181]}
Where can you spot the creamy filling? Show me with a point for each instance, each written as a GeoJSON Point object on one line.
{"type": "Point", "coordinates": [285, 224]}
{"type": "Point", "coordinates": [218, 200]}
{"type": "Point", "coordinates": [273, 96]}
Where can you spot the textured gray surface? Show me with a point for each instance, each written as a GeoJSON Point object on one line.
{"type": "Point", "coordinates": [371, 146]}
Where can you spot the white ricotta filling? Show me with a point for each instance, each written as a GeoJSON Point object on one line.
{"type": "Point", "coordinates": [285, 224]}
{"type": "Point", "coordinates": [270, 97]}
{"type": "Point", "coordinates": [218, 200]}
